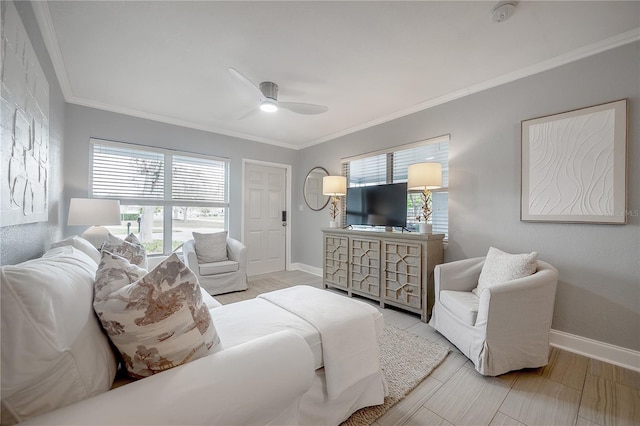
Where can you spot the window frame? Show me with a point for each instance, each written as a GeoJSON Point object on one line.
{"type": "Point", "coordinates": [389, 165]}
{"type": "Point", "coordinates": [167, 201]}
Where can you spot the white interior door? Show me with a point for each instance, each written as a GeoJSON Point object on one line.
{"type": "Point", "coordinates": [264, 225]}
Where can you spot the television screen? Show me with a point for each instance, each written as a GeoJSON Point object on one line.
{"type": "Point", "coordinates": [380, 205]}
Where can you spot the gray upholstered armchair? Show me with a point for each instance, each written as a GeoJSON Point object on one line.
{"type": "Point", "coordinates": [503, 328]}
{"type": "Point", "coordinates": [219, 277]}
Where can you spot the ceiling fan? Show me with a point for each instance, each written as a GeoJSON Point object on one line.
{"type": "Point", "coordinates": [267, 93]}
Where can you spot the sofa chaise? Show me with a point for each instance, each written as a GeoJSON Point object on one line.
{"type": "Point", "coordinates": [273, 366]}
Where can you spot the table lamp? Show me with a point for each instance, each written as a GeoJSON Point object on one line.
{"type": "Point", "coordinates": [424, 177]}
{"type": "Point", "coordinates": [96, 213]}
{"type": "Point", "coordinates": [335, 186]}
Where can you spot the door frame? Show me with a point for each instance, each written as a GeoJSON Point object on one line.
{"type": "Point", "coordinates": [288, 203]}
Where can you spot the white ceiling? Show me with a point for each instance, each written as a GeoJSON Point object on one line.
{"type": "Point", "coordinates": [369, 62]}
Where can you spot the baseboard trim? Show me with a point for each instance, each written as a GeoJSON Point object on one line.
{"type": "Point", "coordinates": [595, 349]}
{"type": "Point", "coordinates": [306, 268]}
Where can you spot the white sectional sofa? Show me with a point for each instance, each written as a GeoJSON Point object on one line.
{"type": "Point", "coordinates": [58, 366]}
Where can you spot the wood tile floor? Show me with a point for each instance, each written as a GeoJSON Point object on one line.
{"type": "Point", "coordinates": [571, 390]}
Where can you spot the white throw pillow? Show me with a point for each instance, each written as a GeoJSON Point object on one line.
{"type": "Point", "coordinates": [130, 248]}
{"type": "Point", "coordinates": [157, 322]}
{"type": "Point", "coordinates": [211, 247]}
{"type": "Point", "coordinates": [500, 267]}
{"type": "Point", "coordinates": [54, 352]}
{"type": "Point", "coordinates": [81, 244]}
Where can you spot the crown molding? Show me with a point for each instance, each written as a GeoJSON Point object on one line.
{"type": "Point", "coordinates": [47, 29]}
{"type": "Point", "coordinates": [176, 122]}
{"type": "Point", "coordinates": [583, 52]}
{"type": "Point", "coordinates": [43, 17]}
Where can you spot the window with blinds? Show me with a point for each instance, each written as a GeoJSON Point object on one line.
{"type": "Point", "coordinates": [164, 195]}
{"type": "Point", "coordinates": [120, 172]}
{"type": "Point", "coordinates": [391, 166]}
{"type": "Point", "coordinates": [199, 179]}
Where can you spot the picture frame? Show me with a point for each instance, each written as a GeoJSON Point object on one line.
{"type": "Point", "coordinates": [574, 166]}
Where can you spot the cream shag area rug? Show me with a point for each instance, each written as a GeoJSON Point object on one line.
{"type": "Point", "coordinates": [406, 359]}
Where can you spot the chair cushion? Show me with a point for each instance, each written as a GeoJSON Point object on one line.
{"type": "Point", "coordinates": [158, 321]}
{"type": "Point", "coordinates": [463, 304]}
{"type": "Point", "coordinates": [211, 247]}
{"type": "Point", "coordinates": [218, 267]}
{"type": "Point", "coordinates": [500, 267]}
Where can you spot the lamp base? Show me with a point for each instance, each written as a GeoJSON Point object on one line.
{"type": "Point", "coordinates": [425, 228]}
{"type": "Point", "coordinates": [96, 235]}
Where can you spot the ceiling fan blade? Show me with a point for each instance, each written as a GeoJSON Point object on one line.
{"type": "Point", "coordinates": [306, 109]}
{"type": "Point", "coordinates": [248, 83]}
{"type": "Point", "coordinates": [249, 113]}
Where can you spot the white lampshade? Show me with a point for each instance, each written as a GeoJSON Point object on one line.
{"type": "Point", "coordinates": [424, 176]}
{"type": "Point", "coordinates": [93, 212]}
{"type": "Point", "coordinates": [334, 185]}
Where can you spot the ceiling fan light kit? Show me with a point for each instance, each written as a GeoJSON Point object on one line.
{"type": "Point", "coordinates": [268, 105]}
{"type": "Point", "coordinates": [267, 93]}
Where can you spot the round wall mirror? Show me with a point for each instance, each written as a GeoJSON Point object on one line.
{"type": "Point", "coordinates": [313, 189]}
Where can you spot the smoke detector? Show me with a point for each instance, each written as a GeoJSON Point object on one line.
{"type": "Point", "coordinates": [503, 11]}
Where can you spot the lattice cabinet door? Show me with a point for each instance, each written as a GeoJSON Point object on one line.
{"type": "Point", "coordinates": [364, 259]}
{"type": "Point", "coordinates": [336, 261]}
{"type": "Point", "coordinates": [402, 273]}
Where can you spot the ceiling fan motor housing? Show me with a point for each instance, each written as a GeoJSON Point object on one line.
{"type": "Point", "coordinates": [269, 90]}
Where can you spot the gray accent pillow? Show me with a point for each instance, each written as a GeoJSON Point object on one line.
{"type": "Point", "coordinates": [500, 267]}
{"type": "Point", "coordinates": [211, 247]}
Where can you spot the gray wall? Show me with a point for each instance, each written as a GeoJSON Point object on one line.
{"type": "Point", "coordinates": [83, 123]}
{"type": "Point", "coordinates": [599, 289]}
{"type": "Point", "coordinates": [22, 242]}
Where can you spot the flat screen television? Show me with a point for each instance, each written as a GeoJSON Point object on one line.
{"type": "Point", "coordinates": [379, 205]}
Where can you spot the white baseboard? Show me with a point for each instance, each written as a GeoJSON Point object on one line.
{"type": "Point", "coordinates": [595, 349]}
{"type": "Point", "coordinates": [606, 352]}
{"type": "Point", "coordinates": [306, 268]}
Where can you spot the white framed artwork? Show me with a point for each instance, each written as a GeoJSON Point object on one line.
{"type": "Point", "coordinates": [574, 166]}
{"type": "Point", "coordinates": [24, 126]}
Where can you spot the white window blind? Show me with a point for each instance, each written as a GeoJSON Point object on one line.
{"type": "Point", "coordinates": [199, 179]}
{"type": "Point", "coordinates": [391, 167]}
{"type": "Point", "coordinates": [131, 172]}
{"type": "Point", "coordinates": [120, 172]}
{"type": "Point", "coordinates": [368, 171]}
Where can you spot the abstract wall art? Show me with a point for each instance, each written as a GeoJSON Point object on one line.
{"type": "Point", "coordinates": [24, 126]}
{"type": "Point", "coordinates": [574, 166]}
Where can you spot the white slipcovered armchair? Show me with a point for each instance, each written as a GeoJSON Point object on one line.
{"type": "Point", "coordinates": [219, 277]}
{"type": "Point", "coordinates": [504, 328]}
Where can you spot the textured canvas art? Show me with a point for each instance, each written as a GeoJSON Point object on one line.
{"type": "Point", "coordinates": [574, 166]}
{"type": "Point", "coordinates": [24, 126]}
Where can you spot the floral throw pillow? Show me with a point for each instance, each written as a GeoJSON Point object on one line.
{"type": "Point", "coordinates": [500, 267]}
{"type": "Point", "coordinates": [114, 272]}
{"type": "Point", "coordinates": [130, 248]}
{"type": "Point", "coordinates": [158, 321]}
